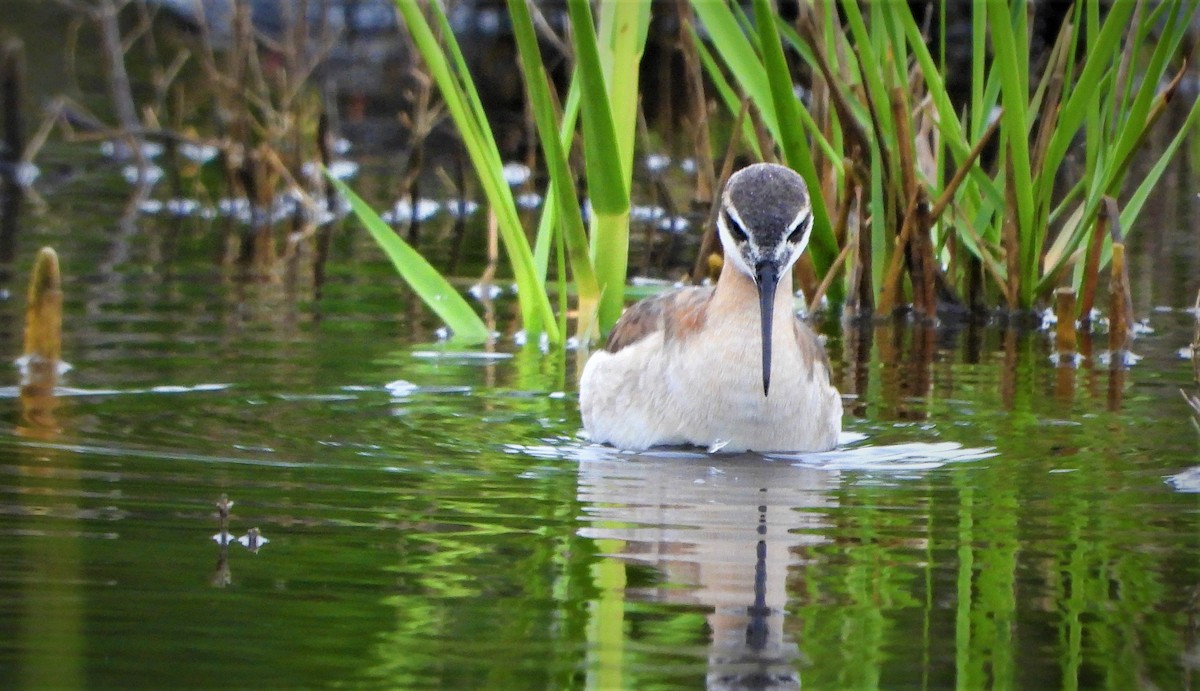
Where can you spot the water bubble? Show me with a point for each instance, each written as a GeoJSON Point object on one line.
{"type": "Point", "coordinates": [135, 174]}
{"type": "Point", "coordinates": [460, 208]}
{"type": "Point", "coordinates": [404, 212]}
{"type": "Point", "coordinates": [198, 153]}
{"type": "Point", "coordinates": [657, 163]}
{"type": "Point", "coordinates": [485, 291]}
{"type": "Point", "coordinates": [516, 173]}
{"type": "Point", "coordinates": [529, 200]}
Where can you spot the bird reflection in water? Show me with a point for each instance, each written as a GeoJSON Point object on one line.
{"type": "Point", "coordinates": [730, 529]}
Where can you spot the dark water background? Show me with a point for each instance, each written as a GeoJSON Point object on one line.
{"type": "Point", "coordinates": [434, 519]}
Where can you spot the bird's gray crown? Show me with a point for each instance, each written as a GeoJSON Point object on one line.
{"type": "Point", "coordinates": [768, 200]}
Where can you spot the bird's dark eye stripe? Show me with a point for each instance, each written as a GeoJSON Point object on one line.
{"type": "Point", "coordinates": [801, 228]}
{"type": "Point", "coordinates": [734, 229]}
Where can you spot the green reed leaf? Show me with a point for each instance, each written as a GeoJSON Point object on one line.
{"type": "Point", "coordinates": [429, 285]}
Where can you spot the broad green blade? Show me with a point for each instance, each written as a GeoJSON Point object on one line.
{"type": "Point", "coordinates": [448, 69]}
{"type": "Point", "coordinates": [434, 290]}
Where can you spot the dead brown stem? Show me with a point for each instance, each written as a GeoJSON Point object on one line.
{"type": "Point", "coordinates": [1065, 341]}
{"type": "Point", "coordinates": [1091, 270]}
{"type": "Point", "coordinates": [697, 108]}
{"type": "Point", "coordinates": [963, 171]}
{"type": "Point", "coordinates": [43, 310]}
{"type": "Point", "coordinates": [823, 288]}
{"type": "Point", "coordinates": [1120, 319]}
{"type": "Point", "coordinates": [709, 244]}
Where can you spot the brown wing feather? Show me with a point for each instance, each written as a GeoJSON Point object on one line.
{"type": "Point", "coordinates": [678, 312]}
{"type": "Point", "coordinates": [811, 348]}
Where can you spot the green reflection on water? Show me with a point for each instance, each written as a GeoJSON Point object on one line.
{"type": "Point", "coordinates": [460, 535]}
{"type": "Point", "coordinates": [414, 545]}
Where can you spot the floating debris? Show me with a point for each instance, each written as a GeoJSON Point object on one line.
{"type": "Point", "coordinates": [252, 540]}
{"type": "Point", "coordinates": [460, 355]}
{"type": "Point", "coordinates": [1128, 358]}
{"type": "Point", "coordinates": [1186, 481]}
{"type": "Point", "coordinates": [401, 388]}
{"type": "Point", "coordinates": [187, 389]}
{"type": "Point", "coordinates": [1066, 359]}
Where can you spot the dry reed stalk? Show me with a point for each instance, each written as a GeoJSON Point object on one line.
{"type": "Point", "coordinates": [858, 143]}
{"type": "Point", "coordinates": [974, 270]}
{"type": "Point", "coordinates": [1091, 270]}
{"type": "Point", "coordinates": [863, 289]}
{"type": "Point", "coordinates": [805, 275]}
{"type": "Point", "coordinates": [105, 15]}
{"type": "Point", "coordinates": [43, 310]}
{"type": "Point", "coordinates": [890, 291]}
{"type": "Point", "coordinates": [709, 245]}
{"type": "Point", "coordinates": [947, 194]}
{"type": "Point", "coordinates": [697, 108]}
{"type": "Point", "coordinates": [815, 296]}
{"type": "Point", "coordinates": [918, 250]}
{"type": "Point", "coordinates": [1065, 341]}
{"type": "Point", "coordinates": [923, 258]}
{"type": "Point", "coordinates": [42, 347]}
{"type": "Point", "coordinates": [1119, 322]}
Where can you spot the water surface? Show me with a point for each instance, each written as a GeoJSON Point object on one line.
{"type": "Point", "coordinates": [434, 519]}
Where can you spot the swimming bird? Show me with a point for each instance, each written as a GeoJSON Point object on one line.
{"type": "Point", "coordinates": [730, 366]}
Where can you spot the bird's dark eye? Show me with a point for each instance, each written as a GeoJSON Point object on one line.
{"type": "Point", "coordinates": [735, 230]}
{"type": "Point", "coordinates": [801, 228]}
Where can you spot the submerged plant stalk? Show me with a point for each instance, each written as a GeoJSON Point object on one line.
{"type": "Point", "coordinates": [43, 311]}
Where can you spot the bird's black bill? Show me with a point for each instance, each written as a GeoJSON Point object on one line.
{"type": "Point", "coordinates": [766, 274]}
